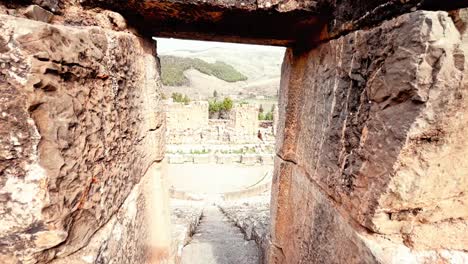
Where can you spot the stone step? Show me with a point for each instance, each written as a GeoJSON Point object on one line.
{"type": "Point", "coordinates": [218, 241]}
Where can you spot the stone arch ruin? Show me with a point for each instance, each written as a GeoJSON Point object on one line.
{"type": "Point", "coordinates": [371, 158]}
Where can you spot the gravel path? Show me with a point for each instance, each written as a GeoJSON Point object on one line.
{"type": "Point", "coordinates": [218, 241]}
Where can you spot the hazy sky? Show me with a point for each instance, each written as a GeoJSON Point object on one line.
{"type": "Point", "coordinates": [167, 45]}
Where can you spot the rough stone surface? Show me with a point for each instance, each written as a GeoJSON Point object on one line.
{"type": "Point", "coordinates": [127, 236]}
{"type": "Point", "coordinates": [372, 144]}
{"type": "Point", "coordinates": [185, 217]}
{"type": "Point", "coordinates": [371, 163]}
{"type": "Point", "coordinates": [273, 22]}
{"type": "Point", "coordinates": [79, 113]}
{"type": "Point", "coordinates": [218, 241]}
{"type": "Point", "coordinates": [252, 215]}
{"type": "Point", "coordinates": [36, 12]}
{"type": "Point", "coordinates": [241, 126]}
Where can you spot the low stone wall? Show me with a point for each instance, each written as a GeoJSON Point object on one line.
{"type": "Point", "coordinates": [181, 117]}
{"type": "Point", "coordinates": [189, 124]}
{"type": "Point", "coordinates": [246, 159]}
{"type": "Point", "coordinates": [185, 217]}
{"type": "Point", "coordinates": [217, 132]}
{"type": "Point", "coordinates": [261, 187]}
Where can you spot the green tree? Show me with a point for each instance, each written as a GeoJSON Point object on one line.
{"type": "Point", "coordinates": [269, 116]}
{"type": "Point", "coordinates": [180, 98]}
{"type": "Point", "coordinates": [261, 116]}
{"type": "Point", "coordinates": [214, 106]}
{"type": "Point", "coordinates": [186, 100]}
{"type": "Point", "coordinates": [227, 104]}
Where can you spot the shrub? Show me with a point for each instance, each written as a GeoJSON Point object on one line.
{"type": "Point", "coordinates": [180, 98]}
{"type": "Point", "coordinates": [220, 109]}
{"type": "Point", "coordinates": [214, 106]}
{"type": "Point", "coordinates": [227, 104]}
{"type": "Point", "coordinates": [265, 117]}
{"type": "Point", "coordinates": [186, 100]}
{"type": "Point", "coordinates": [261, 116]}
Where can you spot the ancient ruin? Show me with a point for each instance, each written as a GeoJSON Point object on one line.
{"type": "Point", "coordinates": [370, 160]}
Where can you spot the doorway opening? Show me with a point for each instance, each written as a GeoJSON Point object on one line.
{"type": "Point", "coordinates": [221, 104]}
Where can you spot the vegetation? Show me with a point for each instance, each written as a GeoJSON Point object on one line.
{"type": "Point", "coordinates": [265, 117]}
{"type": "Point", "coordinates": [245, 150]}
{"type": "Point", "coordinates": [173, 68]}
{"type": "Point", "coordinates": [220, 108]}
{"type": "Point", "coordinates": [198, 152]}
{"type": "Point", "coordinates": [180, 98]}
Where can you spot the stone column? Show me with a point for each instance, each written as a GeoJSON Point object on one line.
{"type": "Point", "coordinates": [275, 120]}
{"type": "Point", "coordinates": [372, 151]}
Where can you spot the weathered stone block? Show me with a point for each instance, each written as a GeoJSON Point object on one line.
{"type": "Point", "coordinates": [38, 13]}
{"type": "Point", "coordinates": [249, 159]}
{"type": "Point", "coordinates": [202, 158]}
{"type": "Point", "coordinates": [175, 159]}
{"type": "Point", "coordinates": [80, 126]}
{"type": "Point", "coordinates": [307, 226]}
{"type": "Point", "coordinates": [267, 159]}
{"type": "Point", "coordinates": [228, 158]}
{"type": "Point", "coordinates": [188, 158]}
{"type": "Point", "coordinates": [376, 121]}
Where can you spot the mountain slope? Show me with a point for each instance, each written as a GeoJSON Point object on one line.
{"type": "Point", "coordinates": [261, 66]}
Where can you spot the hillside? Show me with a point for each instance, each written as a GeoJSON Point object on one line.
{"type": "Point", "coordinates": [260, 65]}
{"type": "Point", "coordinates": [173, 68]}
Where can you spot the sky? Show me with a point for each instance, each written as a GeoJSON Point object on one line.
{"type": "Point", "coordinates": [166, 45]}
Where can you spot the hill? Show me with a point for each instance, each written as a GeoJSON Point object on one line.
{"type": "Point", "coordinates": [260, 65]}
{"type": "Point", "coordinates": [173, 68]}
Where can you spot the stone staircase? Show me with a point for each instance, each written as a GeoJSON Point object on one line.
{"type": "Point", "coordinates": [218, 241]}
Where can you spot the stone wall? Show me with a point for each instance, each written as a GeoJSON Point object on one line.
{"type": "Point", "coordinates": [190, 124]}
{"type": "Point", "coordinates": [219, 158]}
{"type": "Point", "coordinates": [244, 119]}
{"type": "Point", "coordinates": [372, 146]}
{"type": "Point", "coordinates": [371, 161]}
{"type": "Point", "coordinates": [181, 117]}
{"type": "Point", "coordinates": [80, 135]}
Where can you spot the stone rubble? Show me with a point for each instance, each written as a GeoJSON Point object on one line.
{"type": "Point", "coordinates": [185, 217]}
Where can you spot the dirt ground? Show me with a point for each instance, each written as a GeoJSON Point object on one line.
{"type": "Point", "coordinates": [214, 178]}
